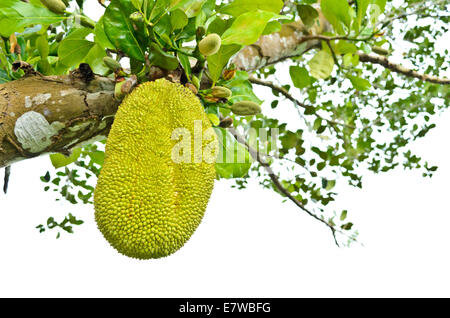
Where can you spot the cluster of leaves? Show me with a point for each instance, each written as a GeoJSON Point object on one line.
{"type": "Point", "coordinates": [66, 225]}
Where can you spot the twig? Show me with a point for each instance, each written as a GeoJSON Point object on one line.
{"type": "Point", "coordinates": [397, 68]}
{"type": "Point", "coordinates": [6, 180]}
{"type": "Point", "coordinates": [296, 102]}
{"type": "Point", "coordinates": [256, 155]}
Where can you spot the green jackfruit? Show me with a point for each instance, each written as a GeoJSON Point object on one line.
{"type": "Point", "coordinates": [146, 204]}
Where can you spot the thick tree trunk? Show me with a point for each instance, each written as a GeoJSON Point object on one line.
{"type": "Point", "coordinates": [40, 114]}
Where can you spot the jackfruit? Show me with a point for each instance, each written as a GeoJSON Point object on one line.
{"type": "Point", "coordinates": [146, 204]}
{"type": "Point", "coordinates": [245, 108]}
{"type": "Point", "coordinates": [210, 45]}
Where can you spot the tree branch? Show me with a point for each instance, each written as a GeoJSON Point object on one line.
{"type": "Point", "coordinates": [275, 180]}
{"type": "Point", "coordinates": [41, 114]}
{"type": "Point", "coordinates": [296, 102]}
{"type": "Point", "coordinates": [397, 68]}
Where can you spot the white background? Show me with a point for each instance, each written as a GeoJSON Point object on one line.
{"type": "Point", "coordinates": [250, 244]}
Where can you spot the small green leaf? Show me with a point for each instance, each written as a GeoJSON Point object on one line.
{"type": "Point", "coordinates": [119, 29]}
{"type": "Point", "coordinates": [233, 159]}
{"type": "Point", "coordinates": [300, 76]}
{"type": "Point", "coordinates": [74, 48]}
{"type": "Point", "coordinates": [308, 14]}
{"type": "Point", "coordinates": [162, 59]}
{"type": "Point", "coordinates": [178, 19]}
{"type": "Point", "coordinates": [272, 27]}
{"type": "Point", "coordinates": [238, 7]}
{"type": "Point", "coordinates": [321, 65]}
{"type": "Point", "coordinates": [59, 160]}
{"type": "Point", "coordinates": [247, 28]}
{"type": "Point", "coordinates": [358, 83]}
{"type": "Point", "coordinates": [343, 215]}
{"type": "Point", "coordinates": [338, 13]}
{"type": "Point", "coordinates": [218, 61]}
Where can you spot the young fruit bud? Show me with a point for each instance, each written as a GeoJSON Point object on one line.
{"type": "Point", "coordinates": [196, 81]}
{"type": "Point", "coordinates": [192, 88]}
{"type": "Point", "coordinates": [380, 50]}
{"type": "Point", "coordinates": [245, 108]}
{"type": "Point", "coordinates": [56, 6]}
{"type": "Point", "coordinates": [112, 63]}
{"type": "Point", "coordinates": [226, 122]}
{"type": "Point", "coordinates": [59, 37]}
{"type": "Point", "coordinates": [137, 17]}
{"type": "Point", "coordinates": [210, 44]}
{"type": "Point", "coordinates": [221, 92]}
{"type": "Point", "coordinates": [85, 21]}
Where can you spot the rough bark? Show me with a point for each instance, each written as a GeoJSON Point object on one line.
{"type": "Point", "coordinates": [40, 114]}
{"type": "Point", "coordinates": [276, 47]}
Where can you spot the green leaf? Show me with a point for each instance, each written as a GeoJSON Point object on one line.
{"type": "Point", "coordinates": [321, 65]}
{"type": "Point", "coordinates": [238, 7]}
{"type": "Point", "coordinates": [375, 9]}
{"type": "Point", "coordinates": [95, 59]}
{"type": "Point", "coordinates": [190, 7]}
{"type": "Point", "coordinates": [162, 59]}
{"type": "Point", "coordinates": [59, 160]}
{"type": "Point", "coordinates": [74, 48]}
{"type": "Point", "coordinates": [97, 157]}
{"type": "Point", "coordinates": [347, 227]}
{"type": "Point", "coordinates": [343, 215]}
{"type": "Point", "coordinates": [178, 19]}
{"type": "Point", "coordinates": [42, 46]}
{"type": "Point", "coordinates": [300, 76]}
{"type": "Point", "coordinates": [100, 35]}
{"type": "Point", "coordinates": [119, 29]}
{"type": "Point", "coordinates": [358, 83]}
{"type": "Point", "coordinates": [247, 28]}
{"type": "Point", "coordinates": [233, 159]}
{"type": "Point", "coordinates": [137, 4]}
{"type": "Point", "coordinates": [272, 27]}
{"type": "Point", "coordinates": [362, 6]}
{"type": "Point", "coordinates": [330, 184]}
{"type": "Point", "coordinates": [218, 61]}
{"type": "Point", "coordinates": [15, 15]}
{"type": "Point", "coordinates": [308, 14]}
{"type": "Point", "coordinates": [338, 13]}
{"type": "Point", "coordinates": [242, 89]}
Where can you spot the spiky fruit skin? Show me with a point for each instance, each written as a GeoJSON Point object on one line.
{"type": "Point", "coordinates": [56, 6]}
{"type": "Point", "coordinates": [245, 108]}
{"type": "Point", "coordinates": [210, 45]}
{"type": "Point", "coordinates": [147, 205]}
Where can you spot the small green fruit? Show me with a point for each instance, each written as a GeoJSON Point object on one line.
{"type": "Point", "coordinates": [56, 6]}
{"type": "Point", "coordinates": [85, 21]}
{"type": "Point", "coordinates": [137, 17]}
{"type": "Point", "coordinates": [245, 108]}
{"type": "Point", "coordinates": [112, 63]}
{"type": "Point", "coordinates": [196, 82]}
{"type": "Point", "coordinates": [221, 92]}
{"type": "Point", "coordinates": [210, 45]}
